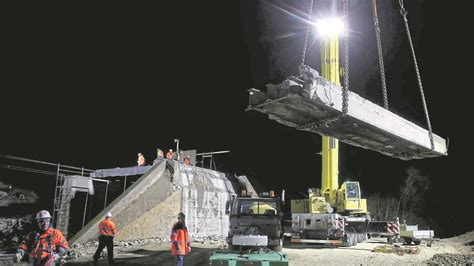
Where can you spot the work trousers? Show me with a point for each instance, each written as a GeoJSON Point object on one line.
{"type": "Point", "coordinates": [105, 241]}
{"type": "Point", "coordinates": [179, 260]}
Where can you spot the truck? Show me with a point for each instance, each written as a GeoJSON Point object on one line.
{"type": "Point", "coordinates": [255, 231]}
{"type": "Point", "coordinates": [255, 221]}
{"type": "Point", "coordinates": [410, 233]}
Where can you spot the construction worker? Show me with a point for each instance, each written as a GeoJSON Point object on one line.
{"type": "Point", "coordinates": [180, 245]}
{"type": "Point", "coordinates": [107, 231]}
{"type": "Point", "coordinates": [141, 160]}
{"type": "Point", "coordinates": [170, 154]}
{"type": "Point", "coordinates": [187, 160]}
{"type": "Point", "coordinates": [46, 246]}
{"type": "Point", "coordinates": [159, 154]}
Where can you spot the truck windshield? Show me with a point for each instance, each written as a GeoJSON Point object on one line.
{"type": "Point", "coordinates": [256, 207]}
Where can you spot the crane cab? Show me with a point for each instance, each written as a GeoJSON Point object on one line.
{"type": "Point", "coordinates": [349, 199]}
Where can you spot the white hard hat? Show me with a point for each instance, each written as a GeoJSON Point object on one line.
{"type": "Point", "coordinates": [42, 215]}
{"type": "Point", "coordinates": [109, 214]}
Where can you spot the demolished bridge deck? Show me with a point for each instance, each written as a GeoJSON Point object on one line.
{"type": "Point", "coordinates": [315, 105]}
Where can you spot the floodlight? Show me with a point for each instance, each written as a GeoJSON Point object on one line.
{"type": "Point", "coordinates": [330, 26]}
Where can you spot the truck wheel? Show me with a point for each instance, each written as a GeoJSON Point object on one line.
{"type": "Point", "coordinates": [407, 241]}
{"type": "Point", "coordinates": [277, 248]}
{"type": "Point", "coordinates": [417, 242]}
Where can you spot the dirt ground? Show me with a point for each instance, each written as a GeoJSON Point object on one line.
{"type": "Point", "coordinates": [298, 254]}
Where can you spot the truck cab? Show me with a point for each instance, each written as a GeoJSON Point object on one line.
{"type": "Point", "coordinates": [255, 222]}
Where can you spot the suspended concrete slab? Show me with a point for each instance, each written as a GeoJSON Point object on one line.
{"type": "Point", "coordinates": [311, 103]}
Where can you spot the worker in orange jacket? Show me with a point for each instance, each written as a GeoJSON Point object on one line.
{"type": "Point", "coordinates": [46, 246]}
{"type": "Point", "coordinates": [180, 245]}
{"type": "Point", "coordinates": [107, 231]}
{"type": "Point", "coordinates": [170, 154]}
{"type": "Point", "coordinates": [141, 160]}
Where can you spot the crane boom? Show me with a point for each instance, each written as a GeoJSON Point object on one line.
{"type": "Point", "coordinates": [330, 145]}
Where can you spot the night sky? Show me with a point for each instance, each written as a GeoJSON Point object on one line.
{"type": "Point", "coordinates": [91, 85]}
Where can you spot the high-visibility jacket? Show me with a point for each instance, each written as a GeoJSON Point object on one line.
{"type": "Point", "coordinates": [107, 228]}
{"type": "Point", "coordinates": [179, 239]}
{"type": "Point", "coordinates": [42, 245]}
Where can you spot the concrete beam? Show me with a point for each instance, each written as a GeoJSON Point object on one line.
{"type": "Point", "coordinates": [311, 103]}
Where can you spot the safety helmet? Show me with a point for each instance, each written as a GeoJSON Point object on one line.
{"type": "Point", "coordinates": [181, 216]}
{"type": "Point", "coordinates": [43, 215]}
{"type": "Point", "coordinates": [109, 214]}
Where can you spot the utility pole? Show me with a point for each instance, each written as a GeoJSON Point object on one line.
{"type": "Point", "coordinates": [177, 147]}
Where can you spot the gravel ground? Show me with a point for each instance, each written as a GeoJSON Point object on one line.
{"type": "Point", "coordinates": [157, 252]}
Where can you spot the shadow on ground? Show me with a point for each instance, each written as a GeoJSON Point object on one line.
{"type": "Point", "coordinates": [198, 256]}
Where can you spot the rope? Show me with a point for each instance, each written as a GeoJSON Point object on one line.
{"type": "Point", "coordinates": [345, 88]}
{"type": "Point", "coordinates": [404, 13]}
{"type": "Point", "coordinates": [380, 54]}
{"type": "Point", "coordinates": [310, 12]}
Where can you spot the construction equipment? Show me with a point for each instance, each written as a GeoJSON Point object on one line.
{"type": "Point", "coordinates": [336, 215]}
{"type": "Point", "coordinates": [255, 231]}
{"type": "Point", "coordinates": [410, 233]}
{"type": "Point", "coordinates": [317, 103]}
{"type": "Point", "coordinates": [248, 258]}
{"type": "Point", "coordinates": [255, 222]}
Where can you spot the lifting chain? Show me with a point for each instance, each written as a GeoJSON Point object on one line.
{"type": "Point", "coordinates": [345, 88]}
{"type": "Point", "coordinates": [404, 13]}
{"type": "Point", "coordinates": [310, 13]}
{"type": "Point", "coordinates": [380, 53]}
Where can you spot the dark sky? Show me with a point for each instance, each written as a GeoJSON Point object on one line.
{"type": "Point", "coordinates": [94, 84]}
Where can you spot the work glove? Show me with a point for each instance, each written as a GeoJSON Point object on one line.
{"type": "Point", "coordinates": [17, 257]}
{"type": "Point", "coordinates": [189, 249]}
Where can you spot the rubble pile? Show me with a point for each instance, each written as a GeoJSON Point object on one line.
{"type": "Point", "coordinates": [143, 242]}
{"type": "Point", "coordinates": [451, 259]}
{"type": "Point", "coordinates": [12, 230]}
{"type": "Point", "coordinates": [218, 240]}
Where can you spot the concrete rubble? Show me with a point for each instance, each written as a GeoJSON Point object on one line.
{"type": "Point", "coordinates": [12, 230]}
{"type": "Point", "coordinates": [451, 259]}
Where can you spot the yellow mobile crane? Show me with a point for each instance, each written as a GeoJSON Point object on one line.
{"type": "Point", "coordinates": [331, 214]}
{"type": "Point", "coordinates": [312, 102]}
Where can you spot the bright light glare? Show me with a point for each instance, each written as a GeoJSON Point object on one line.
{"type": "Point", "coordinates": [330, 26]}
